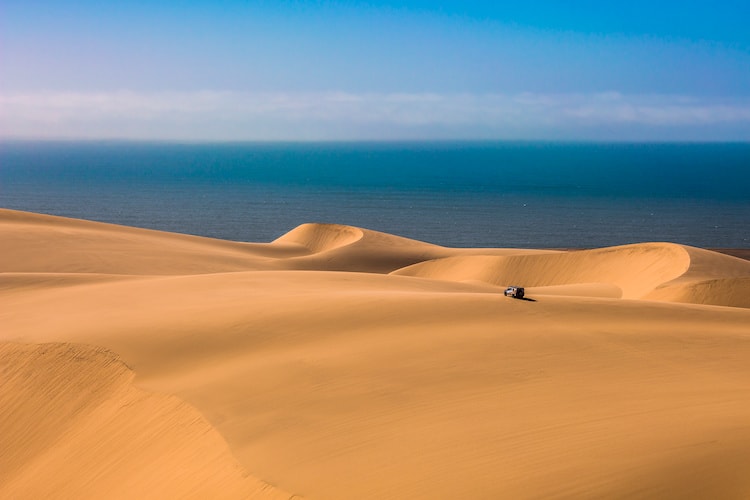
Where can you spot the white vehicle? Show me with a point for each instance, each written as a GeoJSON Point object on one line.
{"type": "Point", "coordinates": [514, 291]}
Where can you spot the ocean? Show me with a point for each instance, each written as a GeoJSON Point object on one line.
{"type": "Point", "coordinates": [462, 194]}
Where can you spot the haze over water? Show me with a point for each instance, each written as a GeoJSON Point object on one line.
{"type": "Point", "coordinates": [527, 194]}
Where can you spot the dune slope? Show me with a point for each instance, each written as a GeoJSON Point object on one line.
{"type": "Point", "coordinates": [329, 378]}
{"type": "Point", "coordinates": [74, 426]}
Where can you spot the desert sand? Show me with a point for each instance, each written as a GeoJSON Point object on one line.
{"type": "Point", "coordinates": [338, 363]}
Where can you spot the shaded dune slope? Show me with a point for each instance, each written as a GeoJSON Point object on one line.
{"type": "Point", "coordinates": [733, 292]}
{"type": "Point", "coordinates": [712, 279]}
{"type": "Point", "coordinates": [74, 426]}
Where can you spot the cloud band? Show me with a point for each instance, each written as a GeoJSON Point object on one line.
{"type": "Point", "coordinates": [217, 115]}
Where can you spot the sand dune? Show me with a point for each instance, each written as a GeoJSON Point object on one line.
{"type": "Point", "coordinates": [657, 271]}
{"type": "Point", "coordinates": [42, 243]}
{"type": "Point", "coordinates": [339, 362]}
{"type": "Point", "coordinates": [344, 248]}
{"type": "Point", "coordinates": [92, 247]}
{"type": "Point", "coordinates": [634, 269]}
{"type": "Point", "coordinates": [74, 426]}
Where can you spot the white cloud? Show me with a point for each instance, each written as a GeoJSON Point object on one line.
{"type": "Point", "coordinates": [341, 115]}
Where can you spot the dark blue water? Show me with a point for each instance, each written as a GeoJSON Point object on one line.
{"type": "Point", "coordinates": [455, 194]}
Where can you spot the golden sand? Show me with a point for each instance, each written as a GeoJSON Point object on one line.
{"type": "Point", "coordinates": [338, 363]}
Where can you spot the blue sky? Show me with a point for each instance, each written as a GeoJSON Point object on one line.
{"type": "Point", "coordinates": [198, 70]}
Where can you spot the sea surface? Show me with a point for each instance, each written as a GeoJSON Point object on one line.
{"type": "Point", "coordinates": [463, 194]}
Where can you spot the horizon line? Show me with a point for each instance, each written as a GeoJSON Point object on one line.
{"type": "Point", "coordinates": [364, 141]}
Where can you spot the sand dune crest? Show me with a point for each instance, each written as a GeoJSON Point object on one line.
{"type": "Point", "coordinates": [711, 279]}
{"type": "Point", "coordinates": [321, 237]}
{"type": "Point", "coordinates": [347, 248]}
